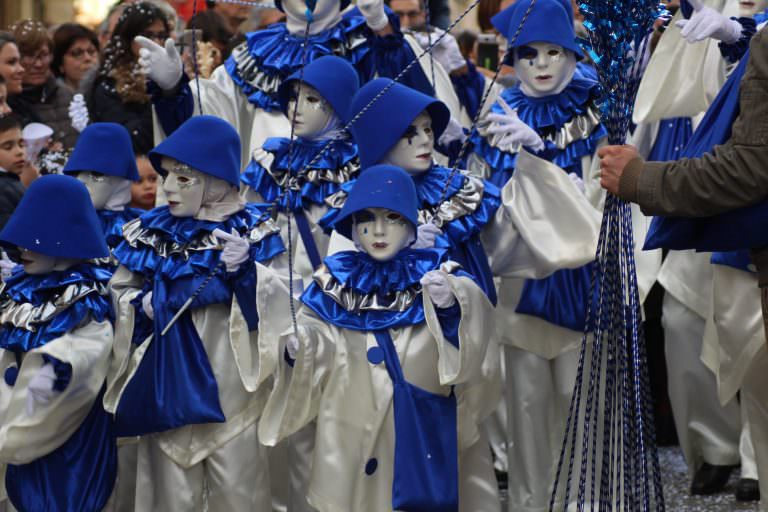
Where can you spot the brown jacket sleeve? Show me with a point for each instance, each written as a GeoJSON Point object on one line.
{"type": "Point", "coordinates": [732, 176]}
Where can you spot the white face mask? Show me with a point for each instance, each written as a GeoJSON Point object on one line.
{"type": "Point", "coordinates": [326, 14]}
{"type": "Point", "coordinates": [413, 152]}
{"type": "Point", "coordinates": [37, 264]}
{"type": "Point", "coordinates": [313, 113]}
{"type": "Point", "coordinates": [100, 186]}
{"type": "Point", "coordinates": [748, 8]}
{"type": "Point", "coordinates": [184, 188]}
{"type": "Point", "coordinates": [382, 233]}
{"type": "Point", "coordinates": [544, 68]}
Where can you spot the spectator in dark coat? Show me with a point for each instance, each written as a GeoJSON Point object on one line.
{"type": "Point", "coordinates": [12, 163]}
{"type": "Point", "coordinates": [119, 93]}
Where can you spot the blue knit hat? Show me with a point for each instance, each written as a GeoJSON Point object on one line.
{"type": "Point", "coordinates": [344, 4]}
{"type": "Point", "coordinates": [104, 148]}
{"type": "Point", "coordinates": [380, 186]}
{"type": "Point", "coordinates": [56, 217]}
{"type": "Point", "coordinates": [386, 120]}
{"type": "Point", "coordinates": [206, 143]}
{"type": "Point", "coordinates": [550, 21]}
{"type": "Point", "coordinates": [333, 77]}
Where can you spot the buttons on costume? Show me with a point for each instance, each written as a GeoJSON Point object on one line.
{"type": "Point", "coordinates": [375, 355]}
{"type": "Point", "coordinates": [371, 465]}
{"type": "Point", "coordinates": [10, 375]}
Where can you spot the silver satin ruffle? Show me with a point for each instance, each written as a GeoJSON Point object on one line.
{"type": "Point", "coordinates": [315, 176]}
{"type": "Point", "coordinates": [27, 316]}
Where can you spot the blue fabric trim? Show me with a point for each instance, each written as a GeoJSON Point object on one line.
{"type": "Point", "coordinates": [469, 88]}
{"type": "Point", "coordinates": [37, 289]}
{"type": "Point", "coordinates": [671, 139]}
{"type": "Point", "coordinates": [361, 273]}
{"type": "Point", "coordinates": [733, 52]}
{"type": "Point", "coordinates": [79, 475]}
{"type": "Point", "coordinates": [739, 260]}
{"type": "Point", "coordinates": [112, 223]}
{"type": "Point", "coordinates": [62, 370]}
{"type": "Point", "coordinates": [305, 232]}
{"type": "Point", "coordinates": [339, 154]}
{"type": "Point", "coordinates": [278, 54]}
{"type": "Point", "coordinates": [449, 319]}
{"type": "Point", "coordinates": [172, 110]}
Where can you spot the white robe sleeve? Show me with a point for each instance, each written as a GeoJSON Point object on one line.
{"type": "Point", "coordinates": [24, 438]}
{"type": "Point", "coordinates": [297, 391]}
{"type": "Point", "coordinates": [544, 223]}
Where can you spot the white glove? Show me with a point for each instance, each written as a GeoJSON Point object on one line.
{"type": "Point", "coordinates": [435, 284]}
{"type": "Point", "coordinates": [373, 11]}
{"type": "Point", "coordinates": [446, 52]}
{"type": "Point", "coordinates": [78, 112]}
{"type": "Point", "coordinates": [40, 390]}
{"type": "Point", "coordinates": [706, 22]}
{"type": "Point", "coordinates": [146, 303]}
{"type": "Point", "coordinates": [576, 181]}
{"type": "Point", "coordinates": [6, 265]}
{"type": "Point", "coordinates": [162, 65]}
{"type": "Point", "coordinates": [425, 236]}
{"type": "Point", "coordinates": [292, 346]}
{"type": "Point", "coordinates": [235, 249]}
{"type": "Point", "coordinates": [514, 132]}
{"type": "Point", "coordinates": [452, 132]}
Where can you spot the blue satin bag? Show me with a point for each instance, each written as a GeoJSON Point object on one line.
{"type": "Point", "coordinates": [426, 470]}
{"type": "Point", "coordinates": [77, 476]}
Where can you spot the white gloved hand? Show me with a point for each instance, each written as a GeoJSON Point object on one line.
{"type": "Point", "coordinates": [146, 304]}
{"type": "Point", "coordinates": [707, 22]}
{"type": "Point", "coordinates": [435, 284]}
{"type": "Point", "coordinates": [6, 265]}
{"type": "Point", "coordinates": [235, 249]}
{"type": "Point", "coordinates": [162, 65]}
{"type": "Point", "coordinates": [446, 52]}
{"type": "Point", "coordinates": [292, 346]}
{"type": "Point", "coordinates": [576, 180]}
{"type": "Point", "coordinates": [373, 11]}
{"type": "Point", "coordinates": [78, 112]}
{"type": "Point", "coordinates": [425, 236]}
{"type": "Point", "coordinates": [513, 131]}
{"type": "Point", "coordinates": [40, 390]}
{"type": "Point", "coordinates": [453, 131]}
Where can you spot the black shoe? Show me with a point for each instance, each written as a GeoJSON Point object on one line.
{"type": "Point", "coordinates": [710, 479]}
{"type": "Point", "coordinates": [501, 478]}
{"type": "Point", "coordinates": [747, 490]}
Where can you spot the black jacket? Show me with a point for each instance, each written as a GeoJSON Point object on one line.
{"type": "Point", "coordinates": [11, 191]}
{"type": "Point", "coordinates": [105, 105]}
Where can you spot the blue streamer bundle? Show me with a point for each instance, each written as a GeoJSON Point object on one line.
{"type": "Point", "coordinates": [609, 448]}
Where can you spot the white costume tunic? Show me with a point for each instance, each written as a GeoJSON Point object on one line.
{"type": "Point", "coordinates": [59, 318]}
{"type": "Point", "coordinates": [212, 440]}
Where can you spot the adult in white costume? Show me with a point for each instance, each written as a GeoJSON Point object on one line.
{"type": "Point", "coordinates": [192, 382]}
{"type": "Point", "coordinates": [55, 341]}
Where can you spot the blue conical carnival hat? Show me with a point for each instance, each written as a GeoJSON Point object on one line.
{"type": "Point", "coordinates": [380, 186]}
{"type": "Point", "coordinates": [550, 21]}
{"type": "Point", "coordinates": [206, 143]}
{"type": "Point", "coordinates": [333, 77]}
{"type": "Point", "coordinates": [104, 148]}
{"type": "Point", "coordinates": [56, 217]}
{"type": "Point", "coordinates": [384, 123]}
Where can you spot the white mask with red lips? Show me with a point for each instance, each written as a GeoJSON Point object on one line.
{"type": "Point", "coordinates": [327, 13]}
{"type": "Point", "coordinates": [748, 8]}
{"type": "Point", "coordinates": [184, 188]}
{"type": "Point", "coordinates": [381, 233]}
{"type": "Point", "coordinates": [543, 68]}
{"type": "Point", "coordinates": [413, 151]}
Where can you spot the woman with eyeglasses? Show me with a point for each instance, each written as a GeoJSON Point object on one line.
{"type": "Point", "coordinates": [119, 93]}
{"type": "Point", "coordinates": [75, 53]}
{"type": "Point", "coordinates": [41, 98]}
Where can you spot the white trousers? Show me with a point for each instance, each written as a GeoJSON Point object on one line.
{"type": "Point", "coordinates": [234, 478]}
{"type": "Point", "coordinates": [707, 431]}
{"type": "Point", "coordinates": [538, 393]}
{"type": "Point", "coordinates": [754, 394]}
{"type": "Point", "coordinates": [746, 447]}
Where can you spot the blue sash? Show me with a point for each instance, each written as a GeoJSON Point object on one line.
{"type": "Point", "coordinates": [79, 475]}
{"type": "Point", "coordinates": [426, 471]}
{"type": "Point", "coordinates": [306, 237]}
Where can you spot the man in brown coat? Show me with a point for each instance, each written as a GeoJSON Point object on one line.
{"type": "Point", "coordinates": [733, 175]}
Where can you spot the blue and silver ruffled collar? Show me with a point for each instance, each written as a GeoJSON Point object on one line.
{"type": "Point", "coordinates": [337, 164]}
{"type": "Point", "coordinates": [36, 309]}
{"type": "Point", "coordinates": [266, 57]}
{"type": "Point", "coordinates": [112, 222]}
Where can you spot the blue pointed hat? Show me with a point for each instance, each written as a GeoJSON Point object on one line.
{"type": "Point", "coordinates": [385, 121]}
{"type": "Point", "coordinates": [333, 77]}
{"type": "Point", "coordinates": [380, 186]}
{"type": "Point", "coordinates": [206, 143]}
{"type": "Point", "coordinates": [550, 21]}
{"type": "Point", "coordinates": [104, 148]}
{"type": "Point", "coordinates": [56, 217]}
